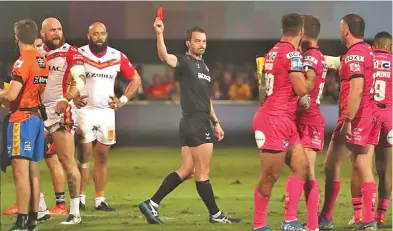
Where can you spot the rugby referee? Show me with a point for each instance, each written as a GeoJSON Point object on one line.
{"type": "Point", "coordinates": [196, 132]}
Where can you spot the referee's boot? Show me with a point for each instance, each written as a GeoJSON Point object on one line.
{"type": "Point", "coordinates": [150, 212]}
{"type": "Point", "coordinates": [221, 218]}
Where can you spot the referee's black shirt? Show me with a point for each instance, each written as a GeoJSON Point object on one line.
{"type": "Point", "coordinates": [195, 85]}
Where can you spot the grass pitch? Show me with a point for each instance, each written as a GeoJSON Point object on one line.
{"type": "Point", "coordinates": [135, 174]}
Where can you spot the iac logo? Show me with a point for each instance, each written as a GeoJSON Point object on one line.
{"type": "Point", "coordinates": [54, 68]}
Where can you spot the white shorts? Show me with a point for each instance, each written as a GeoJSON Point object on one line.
{"type": "Point", "coordinates": [66, 121]}
{"type": "Point", "coordinates": [97, 124]}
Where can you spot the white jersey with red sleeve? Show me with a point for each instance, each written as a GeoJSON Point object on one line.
{"type": "Point", "coordinates": [101, 72]}
{"type": "Point", "coordinates": [60, 61]}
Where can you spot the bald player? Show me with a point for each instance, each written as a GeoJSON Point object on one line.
{"type": "Point", "coordinates": [66, 66]}
{"type": "Point", "coordinates": [96, 118]}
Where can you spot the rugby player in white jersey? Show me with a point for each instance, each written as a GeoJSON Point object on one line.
{"type": "Point", "coordinates": [65, 67]}
{"type": "Point", "coordinates": [96, 118]}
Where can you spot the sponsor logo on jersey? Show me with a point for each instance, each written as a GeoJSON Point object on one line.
{"type": "Point", "coordinates": [354, 58]}
{"type": "Point", "coordinates": [310, 59]}
{"type": "Point", "coordinates": [40, 79]}
{"type": "Point", "coordinates": [293, 54]}
{"type": "Point", "coordinates": [100, 75]}
{"type": "Point", "coordinates": [55, 68]}
{"type": "Point", "coordinates": [203, 76]}
{"type": "Point", "coordinates": [296, 64]}
{"type": "Point", "coordinates": [380, 64]}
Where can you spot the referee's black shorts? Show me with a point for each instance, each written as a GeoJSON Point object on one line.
{"type": "Point", "coordinates": [196, 129]}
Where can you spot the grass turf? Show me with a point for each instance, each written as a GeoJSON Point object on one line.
{"type": "Point", "coordinates": [135, 174]}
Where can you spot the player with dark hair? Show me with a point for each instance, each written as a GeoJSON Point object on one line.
{"type": "Point", "coordinates": [196, 133]}
{"type": "Point", "coordinates": [275, 128]}
{"type": "Point", "coordinates": [310, 122]}
{"type": "Point", "coordinates": [383, 157]}
{"type": "Point", "coordinates": [25, 136]}
{"type": "Point", "coordinates": [357, 128]}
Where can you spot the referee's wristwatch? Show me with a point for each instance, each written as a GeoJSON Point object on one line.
{"type": "Point", "coordinates": [217, 121]}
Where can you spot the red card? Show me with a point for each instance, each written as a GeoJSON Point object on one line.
{"type": "Point", "coordinates": [160, 13]}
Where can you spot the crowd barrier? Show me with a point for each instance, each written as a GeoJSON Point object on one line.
{"type": "Point", "coordinates": [146, 123]}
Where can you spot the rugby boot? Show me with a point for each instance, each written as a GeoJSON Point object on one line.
{"type": "Point", "coordinates": [43, 215]}
{"type": "Point", "coordinates": [150, 212]}
{"type": "Point", "coordinates": [325, 224]}
{"type": "Point", "coordinates": [71, 220]}
{"type": "Point", "coordinates": [264, 228]}
{"type": "Point", "coordinates": [292, 226]}
{"type": "Point", "coordinates": [367, 226]}
{"type": "Point", "coordinates": [354, 222]}
{"type": "Point", "coordinates": [105, 207]}
{"type": "Point", "coordinates": [59, 209]}
{"type": "Point", "coordinates": [13, 210]}
{"type": "Point", "coordinates": [223, 219]}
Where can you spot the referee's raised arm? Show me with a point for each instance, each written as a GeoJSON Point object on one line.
{"type": "Point", "coordinates": [169, 59]}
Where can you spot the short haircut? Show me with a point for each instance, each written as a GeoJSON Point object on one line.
{"type": "Point", "coordinates": [292, 24]}
{"type": "Point", "coordinates": [356, 25]}
{"type": "Point", "coordinates": [26, 30]}
{"type": "Point", "coordinates": [312, 26]}
{"type": "Point", "coordinates": [194, 29]}
{"type": "Point", "coordinates": [382, 38]}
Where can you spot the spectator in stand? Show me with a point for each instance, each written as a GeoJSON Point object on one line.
{"type": "Point", "coordinates": [239, 90]}
{"type": "Point", "coordinates": [227, 81]}
{"type": "Point", "coordinates": [217, 93]}
{"type": "Point", "coordinates": [174, 93]}
{"type": "Point", "coordinates": [157, 90]}
{"type": "Point", "coordinates": [169, 82]}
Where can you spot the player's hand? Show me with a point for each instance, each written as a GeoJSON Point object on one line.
{"type": "Point", "coordinates": [346, 130]}
{"type": "Point", "coordinates": [218, 132]}
{"type": "Point", "coordinates": [79, 101]}
{"type": "Point", "coordinates": [115, 103]}
{"type": "Point", "coordinates": [158, 26]}
{"type": "Point", "coordinates": [61, 106]}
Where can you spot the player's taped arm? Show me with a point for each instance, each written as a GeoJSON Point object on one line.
{"type": "Point", "coordinates": [310, 78]}
{"type": "Point", "coordinates": [213, 116]}
{"type": "Point", "coordinates": [332, 62]}
{"type": "Point", "coordinates": [79, 78]}
{"type": "Point", "coordinates": [354, 98]}
{"type": "Point", "coordinates": [169, 59]}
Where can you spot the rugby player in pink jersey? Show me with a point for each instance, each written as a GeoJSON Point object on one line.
{"type": "Point", "coordinates": [357, 128]}
{"type": "Point", "coordinates": [310, 122]}
{"type": "Point", "coordinates": [383, 156]}
{"type": "Point", "coordinates": [275, 128]}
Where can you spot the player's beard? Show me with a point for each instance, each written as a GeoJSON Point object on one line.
{"type": "Point", "coordinates": [95, 48]}
{"type": "Point", "coordinates": [53, 46]}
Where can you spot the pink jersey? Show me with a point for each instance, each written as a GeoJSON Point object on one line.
{"type": "Point", "coordinates": [313, 58]}
{"type": "Point", "coordinates": [358, 62]}
{"type": "Point", "coordinates": [60, 62]}
{"type": "Point", "coordinates": [383, 78]}
{"type": "Point", "coordinates": [281, 99]}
